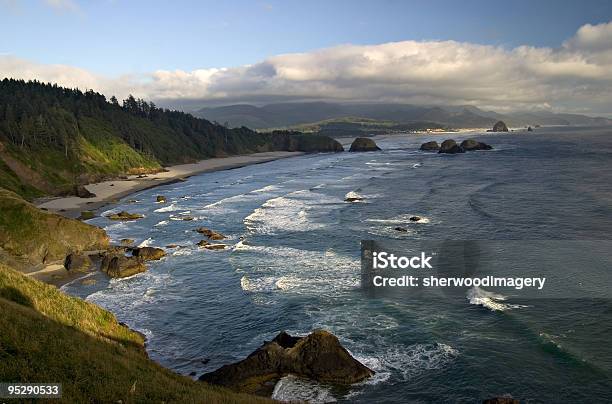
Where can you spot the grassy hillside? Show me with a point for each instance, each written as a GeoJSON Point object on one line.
{"type": "Point", "coordinates": [53, 138]}
{"type": "Point", "coordinates": [37, 236]}
{"type": "Point", "coordinates": [46, 336]}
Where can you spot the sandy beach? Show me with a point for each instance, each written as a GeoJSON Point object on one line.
{"type": "Point", "coordinates": [109, 191]}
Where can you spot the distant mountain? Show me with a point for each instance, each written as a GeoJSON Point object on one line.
{"type": "Point", "coordinates": [295, 114]}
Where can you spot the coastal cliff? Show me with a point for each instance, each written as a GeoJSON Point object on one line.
{"type": "Point", "coordinates": [38, 237]}
{"type": "Point", "coordinates": [55, 139]}
{"type": "Point", "coordinates": [49, 336]}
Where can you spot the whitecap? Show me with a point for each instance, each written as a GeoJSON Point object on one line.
{"type": "Point", "coordinates": [170, 208]}
{"type": "Point", "coordinates": [293, 389]}
{"type": "Point", "coordinates": [490, 300]}
{"type": "Point", "coordinates": [162, 223]}
{"type": "Point", "coordinates": [146, 243]}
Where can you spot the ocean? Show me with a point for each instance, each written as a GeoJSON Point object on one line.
{"type": "Point", "coordinates": [293, 263]}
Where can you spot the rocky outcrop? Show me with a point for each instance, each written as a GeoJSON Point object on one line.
{"type": "Point", "coordinates": [430, 146]}
{"type": "Point", "coordinates": [472, 144]}
{"type": "Point", "coordinates": [149, 253]}
{"type": "Point", "coordinates": [318, 356]}
{"type": "Point", "coordinates": [449, 146]}
{"type": "Point", "coordinates": [77, 262]}
{"type": "Point", "coordinates": [116, 265]}
{"type": "Point", "coordinates": [82, 192]}
{"type": "Point", "coordinates": [363, 144]}
{"type": "Point", "coordinates": [500, 126]}
{"type": "Point", "coordinates": [126, 242]}
{"type": "Point", "coordinates": [211, 234]}
{"type": "Point", "coordinates": [40, 237]}
{"type": "Point", "coordinates": [123, 215]}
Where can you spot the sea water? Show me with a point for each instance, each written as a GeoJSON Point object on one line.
{"type": "Point", "coordinates": [293, 264]}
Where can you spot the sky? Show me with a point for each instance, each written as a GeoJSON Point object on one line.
{"type": "Point", "coordinates": [500, 55]}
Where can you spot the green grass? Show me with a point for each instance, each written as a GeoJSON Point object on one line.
{"type": "Point", "coordinates": [46, 336]}
{"type": "Point", "coordinates": [33, 234]}
{"type": "Point", "coordinates": [10, 181]}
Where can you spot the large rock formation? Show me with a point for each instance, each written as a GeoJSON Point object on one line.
{"type": "Point", "coordinates": [77, 262]}
{"type": "Point", "coordinates": [430, 146]}
{"type": "Point", "coordinates": [82, 192]}
{"type": "Point", "coordinates": [116, 265]}
{"type": "Point", "coordinates": [471, 144]}
{"type": "Point", "coordinates": [363, 144]}
{"type": "Point", "coordinates": [37, 236]}
{"type": "Point", "coordinates": [449, 146]}
{"type": "Point", "coordinates": [148, 253]}
{"type": "Point", "coordinates": [318, 356]}
{"type": "Point", "coordinates": [500, 126]}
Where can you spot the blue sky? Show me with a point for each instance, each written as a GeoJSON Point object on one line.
{"type": "Point", "coordinates": [499, 55]}
{"type": "Point", "coordinates": [118, 36]}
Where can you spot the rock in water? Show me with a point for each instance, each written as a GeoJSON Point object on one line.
{"type": "Point", "coordinates": [318, 356]}
{"type": "Point", "coordinates": [211, 234]}
{"type": "Point", "coordinates": [126, 242]}
{"type": "Point", "coordinates": [472, 144]}
{"type": "Point", "coordinates": [430, 146]}
{"type": "Point", "coordinates": [149, 253]}
{"type": "Point", "coordinates": [500, 126]}
{"type": "Point", "coordinates": [449, 146]}
{"type": "Point", "coordinates": [123, 215]}
{"type": "Point", "coordinates": [363, 144]}
{"type": "Point", "coordinates": [415, 218]}
{"type": "Point", "coordinates": [529, 129]}
{"type": "Point", "coordinates": [119, 266]}
{"type": "Point", "coordinates": [160, 199]}
{"type": "Point", "coordinates": [77, 262]}
{"type": "Point", "coordinates": [402, 229]}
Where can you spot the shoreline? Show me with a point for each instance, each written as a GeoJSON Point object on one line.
{"type": "Point", "coordinates": [108, 192]}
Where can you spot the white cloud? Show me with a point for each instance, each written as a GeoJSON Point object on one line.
{"type": "Point", "coordinates": [577, 76]}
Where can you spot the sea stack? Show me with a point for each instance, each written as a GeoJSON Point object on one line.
{"type": "Point", "coordinates": [449, 146]}
{"type": "Point", "coordinates": [430, 146]}
{"type": "Point", "coordinates": [318, 356]}
{"type": "Point", "coordinates": [363, 144]}
{"type": "Point", "coordinates": [500, 126]}
{"type": "Point", "coordinates": [472, 144]}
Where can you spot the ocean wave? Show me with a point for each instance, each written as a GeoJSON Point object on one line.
{"type": "Point", "coordinates": [162, 223]}
{"type": "Point", "coordinates": [170, 208]}
{"type": "Point", "coordinates": [293, 389]}
{"type": "Point", "coordinates": [490, 300]}
{"type": "Point", "coordinates": [288, 213]}
{"type": "Point", "coordinates": [146, 243]}
{"type": "Point", "coordinates": [267, 188]}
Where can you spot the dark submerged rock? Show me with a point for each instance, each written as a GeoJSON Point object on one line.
{"type": "Point", "coordinates": [415, 218]}
{"type": "Point", "coordinates": [501, 400]}
{"type": "Point", "coordinates": [123, 215]}
{"type": "Point", "coordinates": [449, 146]}
{"type": "Point", "coordinates": [318, 356]}
{"type": "Point", "coordinates": [363, 144]}
{"type": "Point", "coordinates": [430, 146]}
{"type": "Point", "coordinates": [402, 229]}
{"type": "Point", "coordinates": [160, 199]}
